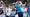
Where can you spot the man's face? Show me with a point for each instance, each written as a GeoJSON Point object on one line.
{"type": "Point", "coordinates": [8, 5]}
{"type": "Point", "coordinates": [13, 7]}
{"type": "Point", "coordinates": [23, 5]}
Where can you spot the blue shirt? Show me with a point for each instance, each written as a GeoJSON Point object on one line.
{"type": "Point", "coordinates": [28, 11]}
{"type": "Point", "coordinates": [18, 6]}
{"type": "Point", "coordinates": [4, 9]}
{"type": "Point", "coordinates": [13, 13]}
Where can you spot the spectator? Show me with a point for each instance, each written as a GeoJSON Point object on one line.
{"type": "Point", "coordinates": [8, 11]}
{"type": "Point", "coordinates": [24, 9]}
{"type": "Point", "coordinates": [4, 10]}
{"type": "Point", "coordinates": [13, 11]}
{"type": "Point", "coordinates": [1, 4]}
{"type": "Point", "coordinates": [28, 10]}
{"type": "Point", "coordinates": [20, 13]}
{"type": "Point", "coordinates": [1, 14]}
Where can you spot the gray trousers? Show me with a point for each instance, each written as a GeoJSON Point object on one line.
{"type": "Point", "coordinates": [24, 14]}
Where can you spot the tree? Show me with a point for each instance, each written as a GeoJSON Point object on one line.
{"type": "Point", "coordinates": [10, 1]}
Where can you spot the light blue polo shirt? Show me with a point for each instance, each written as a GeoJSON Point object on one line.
{"type": "Point", "coordinates": [18, 6]}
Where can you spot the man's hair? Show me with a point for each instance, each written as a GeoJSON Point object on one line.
{"type": "Point", "coordinates": [13, 4]}
{"type": "Point", "coordinates": [7, 4]}
{"type": "Point", "coordinates": [23, 2]}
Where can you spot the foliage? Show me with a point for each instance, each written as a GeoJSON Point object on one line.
{"type": "Point", "coordinates": [28, 1]}
{"type": "Point", "coordinates": [11, 1]}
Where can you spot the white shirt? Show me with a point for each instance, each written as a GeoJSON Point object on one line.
{"type": "Point", "coordinates": [16, 15]}
{"type": "Point", "coordinates": [9, 11]}
{"type": "Point", "coordinates": [24, 10]}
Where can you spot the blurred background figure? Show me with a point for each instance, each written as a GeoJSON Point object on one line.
{"type": "Point", "coordinates": [18, 6]}
{"type": "Point", "coordinates": [1, 13]}
{"type": "Point", "coordinates": [13, 11]}
{"type": "Point", "coordinates": [24, 9]}
{"type": "Point", "coordinates": [1, 4]}
{"type": "Point", "coordinates": [8, 10]}
{"type": "Point", "coordinates": [25, 2]}
{"type": "Point", "coordinates": [28, 10]}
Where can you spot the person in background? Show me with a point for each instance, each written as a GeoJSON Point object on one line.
{"type": "Point", "coordinates": [13, 11]}
{"type": "Point", "coordinates": [28, 11]}
{"type": "Point", "coordinates": [18, 7]}
{"type": "Point", "coordinates": [24, 10]}
{"type": "Point", "coordinates": [8, 10]}
{"type": "Point", "coordinates": [16, 13]}
{"type": "Point", "coordinates": [4, 9]}
{"type": "Point", "coordinates": [0, 4]}
{"type": "Point", "coordinates": [1, 13]}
